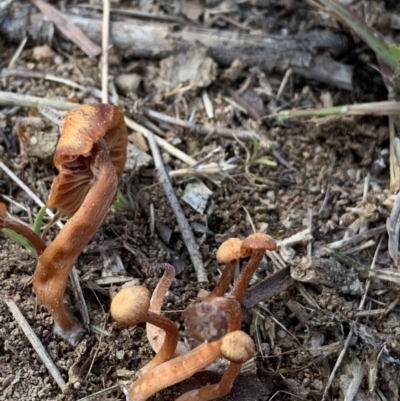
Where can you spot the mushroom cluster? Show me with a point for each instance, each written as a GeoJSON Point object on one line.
{"type": "Point", "coordinates": [214, 323]}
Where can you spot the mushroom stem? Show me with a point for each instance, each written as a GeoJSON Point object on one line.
{"type": "Point", "coordinates": [156, 335]}
{"type": "Point", "coordinates": [55, 263]}
{"type": "Point", "coordinates": [168, 347]}
{"type": "Point", "coordinates": [224, 281]}
{"type": "Point", "coordinates": [245, 276]}
{"type": "Point", "coordinates": [229, 253]}
{"type": "Point", "coordinates": [174, 371]}
{"type": "Point", "coordinates": [6, 221]}
{"type": "Point", "coordinates": [213, 391]}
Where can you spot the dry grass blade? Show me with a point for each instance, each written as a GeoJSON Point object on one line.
{"type": "Point", "coordinates": [393, 227]}
{"type": "Point", "coordinates": [96, 396]}
{"type": "Point", "coordinates": [104, 55]}
{"type": "Point", "coordinates": [36, 344]}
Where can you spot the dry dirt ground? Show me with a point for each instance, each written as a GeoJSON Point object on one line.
{"type": "Point", "coordinates": [300, 332]}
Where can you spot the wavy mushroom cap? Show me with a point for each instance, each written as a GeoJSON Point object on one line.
{"type": "Point", "coordinates": [205, 322]}
{"type": "Point", "coordinates": [238, 347]}
{"type": "Point", "coordinates": [229, 250]}
{"type": "Point", "coordinates": [130, 306]}
{"type": "Point", "coordinates": [257, 241]}
{"type": "Point", "coordinates": [81, 129]}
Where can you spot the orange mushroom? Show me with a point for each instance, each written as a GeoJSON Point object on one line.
{"type": "Point", "coordinates": [6, 221]}
{"type": "Point", "coordinates": [228, 253]}
{"type": "Point", "coordinates": [254, 246]}
{"type": "Point", "coordinates": [185, 366]}
{"type": "Point", "coordinates": [130, 307]}
{"type": "Point", "coordinates": [237, 347]}
{"type": "Point", "coordinates": [90, 157]}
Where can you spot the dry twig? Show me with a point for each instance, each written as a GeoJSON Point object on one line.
{"type": "Point", "coordinates": [68, 28]}
{"type": "Point", "coordinates": [104, 55]}
{"type": "Point", "coordinates": [187, 234]}
{"type": "Point", "coordinates": [36, 344]}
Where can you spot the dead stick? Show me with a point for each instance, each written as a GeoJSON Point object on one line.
{"type": "Point", "coordinates": [184, 227]}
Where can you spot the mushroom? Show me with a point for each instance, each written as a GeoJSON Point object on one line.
{"type": "Point", "coordinates": [7, 222]}
{"type": "Point", "coordinates": [185, 366]}
{"type": "Point", "coordinates": [90, 157]}
{"type": "Point", "coordinates": [237, 347]}
{"type": "Point", "coordinates": [228, 253]}
{"type": "Point", "coordinates": [254, 246]}
{"type": "Point", "coordinates": [130, 307]}
{"type": "Point", "coordinates": [156, 335]}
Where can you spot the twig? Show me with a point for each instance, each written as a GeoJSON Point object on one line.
{"type": "Point", "coordinates": [356, 238]}
{"type": "Point", "coordinates": [96, 396]}
{"type": "Point", "coordinates": [184, 227]}
{"type": "Point", "coordinates": [17, 99]}
{"type": "Point", "coordinates": [384, 108]}
{"type": "Point", "coordinates": [104, 55]}
{"type": "Point", "coordinates": [201, 129]}
{"type": "Point", "coordinates": [74, 274]}
{"type": "Point", "coordinates": [68, 28]}
{"type": "Point", "coordinates": [393, 227]}
{"type": "Point", "coordinates": [394, 157]}
{"type": "Point", "coordinates": [18, 52]}
{"type": "Point", "coordinates": [161, 142]}
{"type": "Point", "coordinates": [285, 79]}
{"type": "Point", "coordinates": [24, 72]}
{"type": "Point", "coordinates": [135, 13]}
{"type": "Point", "coordinates": [36, 344]}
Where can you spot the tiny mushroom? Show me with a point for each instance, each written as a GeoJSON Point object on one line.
{"type": "Point", "coordinates": [90, 157]}
{"type": "Point", "coordinates": [130, 307]}
{"type": "Point", "coordinates": [254, 246]}
{"type": "Point", "coordinates": [185, 366]}
{"type": "Point", "coordinates": [7, 222]}
{"type": "Point", "coordinates": [228, 253]}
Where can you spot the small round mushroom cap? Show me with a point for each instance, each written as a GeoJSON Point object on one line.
{"type": "Point", "coordinates": [257, 241]}
{"type": "Point", "coordinates": [229, 250]}
{"type": "Point", "coordinates": [238, 347]}
{"type": "Point", "coordinates": [130, 306]}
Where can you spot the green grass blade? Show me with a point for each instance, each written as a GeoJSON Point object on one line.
{"type": "Point", "coordinates": [20, 239]}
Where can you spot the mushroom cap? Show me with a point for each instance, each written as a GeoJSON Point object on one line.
{"type": "Point", "coordinates": [237, 346]}
{"type": "Point", "coordinates": [257, 241]}
{"type": "Point", "coordinates": [205, 322]}
{"type": "Point", "coordinates": [130, 306]}
{"type": "Point", "coordinates": [229, 250]}
{"type": "Point", "coordinates": [81, 128]}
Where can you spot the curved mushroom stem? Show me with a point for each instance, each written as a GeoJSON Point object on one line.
{"type": "Point", "coordinates": [55, 263]}
{"type": "Point", "coordinates": [170, 340]}
{"type": "Point", "coordinates": [6, 221]}
{"type": "Point", "coordinates": [174, 371]}
{"type": "Point", "coordinates": [217, 390]}
{"type": "Point", "coordinates": [156, 335]}
{"type": "Point", "coordinates": [245, 276]}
